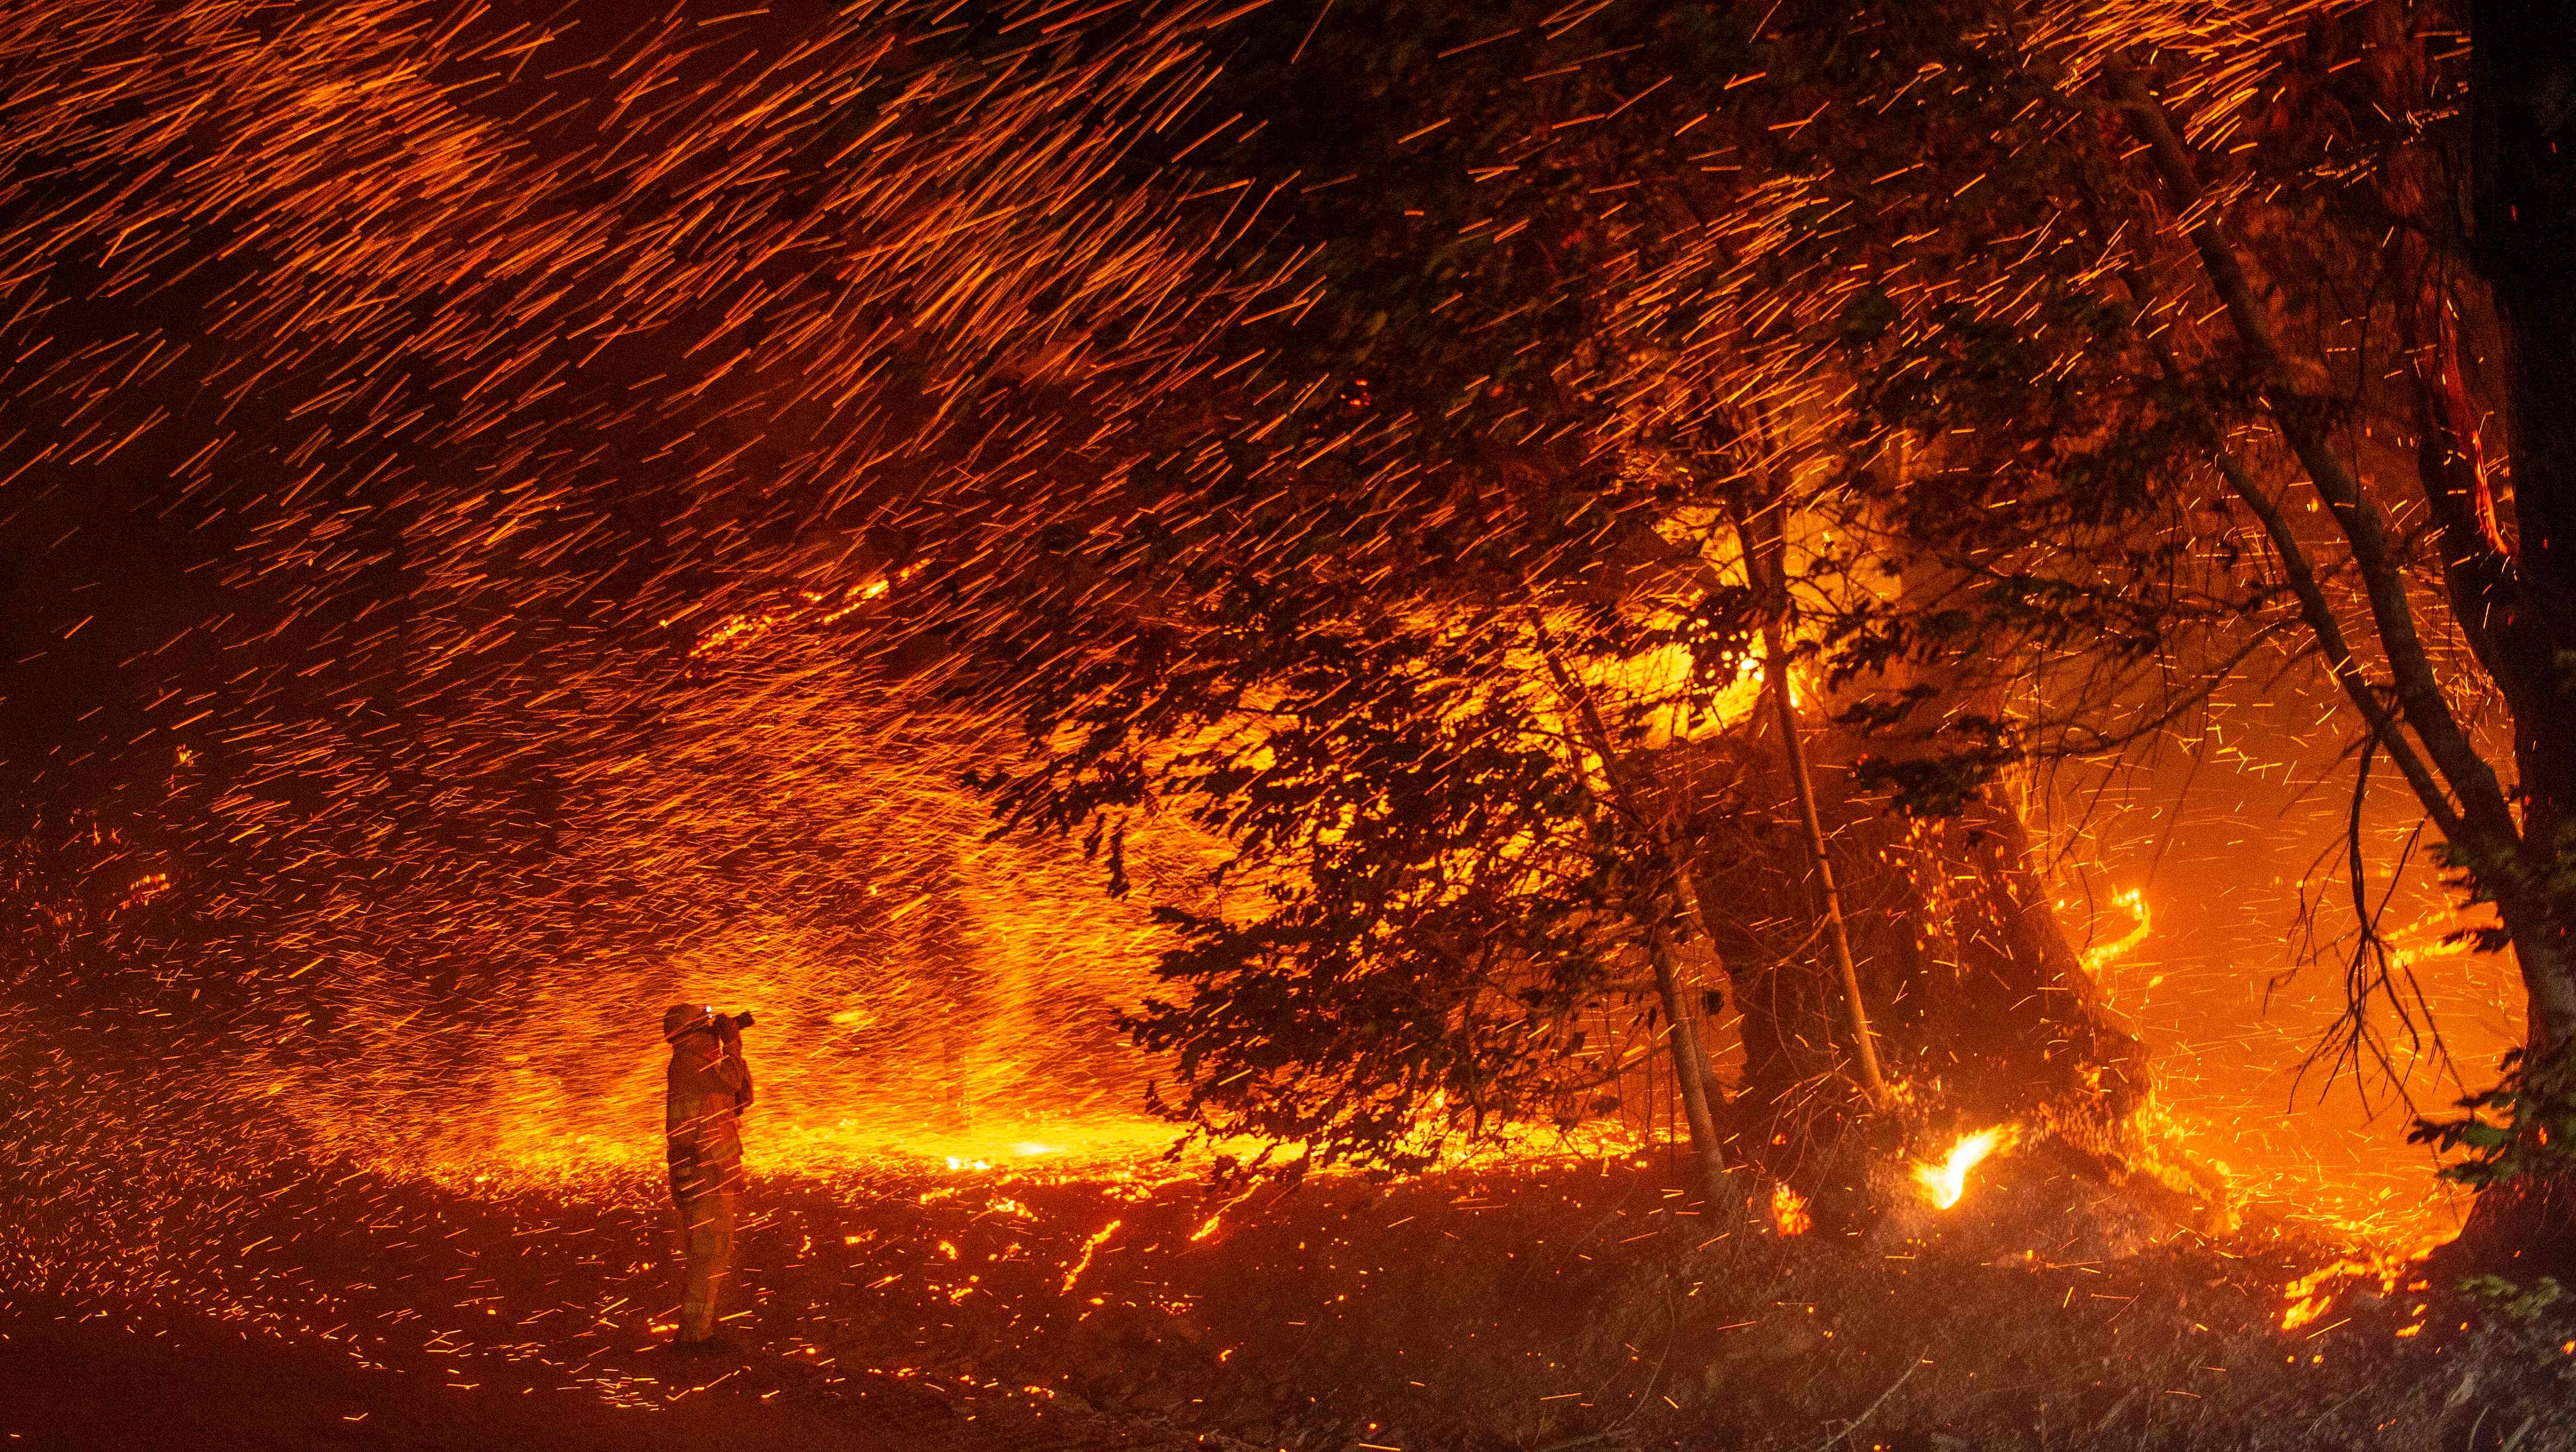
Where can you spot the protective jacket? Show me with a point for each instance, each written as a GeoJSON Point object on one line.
{"type": "Point", "coordinates": [709, 1088]}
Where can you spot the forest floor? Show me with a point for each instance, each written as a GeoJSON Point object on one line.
{"type": "Point", "coordinates": [1530, 1307]}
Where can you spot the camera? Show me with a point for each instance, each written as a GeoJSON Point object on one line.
{"type": "Point", "coordinates": [736, 1021]}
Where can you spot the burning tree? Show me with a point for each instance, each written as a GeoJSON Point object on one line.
{"type": "Point", "coordinates": [2171, 344]}
{"type": "Point", "coordinates": [2295, 268]}
{"type": "Point", "coordinates": [1460, 602]}
{"type": "Point", "coordinates": [2473, 227]}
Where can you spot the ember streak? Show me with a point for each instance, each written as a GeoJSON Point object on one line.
{"type": "Point", "coordinates": [500, 505]}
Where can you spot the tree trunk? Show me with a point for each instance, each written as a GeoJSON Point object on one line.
{"type": "Point", "coordinates": [2523, 178]}
{"type": "Point", "coordinates": [2514, 600]}
{"type": "Point", "coordinates": [1988, 1016]}
{"type": "Point", "coordinates": [2524, 1226]}
{"type": "Point", "coordinates": [2523, 167]}
{"type": "Point", "coordinates": [1690, 1070]}
{"type": "Point", "coordinates": [1671, 902]}
{"type": "Point", "coordinates": [1766, 558]}
{"type": "Point", "coordinates": [2523, 110]}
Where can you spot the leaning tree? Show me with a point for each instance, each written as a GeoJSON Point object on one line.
{"type": "Point", "coordinates": [1458, 598]}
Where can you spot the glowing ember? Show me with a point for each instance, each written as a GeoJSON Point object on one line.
{"type": "Point", "coordinates": [2141, 922]}
{"type": "Point", "coordinates": [2313, 1294]}
{"type": "Point", "coordinates": [1083, 1263]}
{"type": "Point", "coordinates": [1789, 1210]}
{"type": "Point", "coordinates": [503, 395]}
{"type": "Point", "coordinates": [1946, 1182]}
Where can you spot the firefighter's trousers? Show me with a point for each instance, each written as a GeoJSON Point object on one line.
{"type": "Point", "coordinates": [706, 1238]}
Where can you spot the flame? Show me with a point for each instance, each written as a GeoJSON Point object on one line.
{"type": "Point", "coordinates": [2134, 903]}
{"type": "Point", "coordinates": [2312, 1295]}
{"type": "Point", "coordinates": [1945, 1183]}
{"type": "Point", "coordinates": [1789, 1210]}
{"type": "Point", "coordinates": [1088, 1247]}
{"type": "Point", "coordinates": [1208, 1226]}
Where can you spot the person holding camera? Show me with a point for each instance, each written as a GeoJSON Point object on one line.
{"type": "Point", "coordinates": [710, 1087]}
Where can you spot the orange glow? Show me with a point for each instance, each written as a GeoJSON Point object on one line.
{"type": "Point", "coordinates": [2134, 903]}
{"type": "Point", "coordinates": [1789, 1210]}
{"type": "Point", "coordinates": [1083, 1262]}
{"type": "Point", "coordinates": [2313, 1294]}
{"type": "Point", "coordinates": [1945, 1183]}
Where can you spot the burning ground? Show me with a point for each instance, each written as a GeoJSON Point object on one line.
{"type": "Point", "coordinates": [1118, 1302]}
{"type": "Point", "coordinates": [516, 516]}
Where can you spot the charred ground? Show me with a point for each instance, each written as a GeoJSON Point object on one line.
{"type": "Point", "coordinates": [1523, 1306]}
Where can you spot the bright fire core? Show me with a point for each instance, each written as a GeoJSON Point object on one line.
{"type": "Point", "coordinates": [1947, 1182]}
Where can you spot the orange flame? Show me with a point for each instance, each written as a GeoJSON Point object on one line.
{"type": "Point", "coordinates": [2312, 1295]}
{"type": "Point", "coordinates": [1089, 1246]}
{"type": "Point", "coordinates": [1789, 1210]}
{"type": "Point", "coordinates": [2141, 922]}
{"type": "Point", "coordinates": [1945, 1183]}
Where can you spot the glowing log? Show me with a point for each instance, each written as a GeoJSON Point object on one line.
{"type": "Point", "coordinates": [1945, 1183]}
